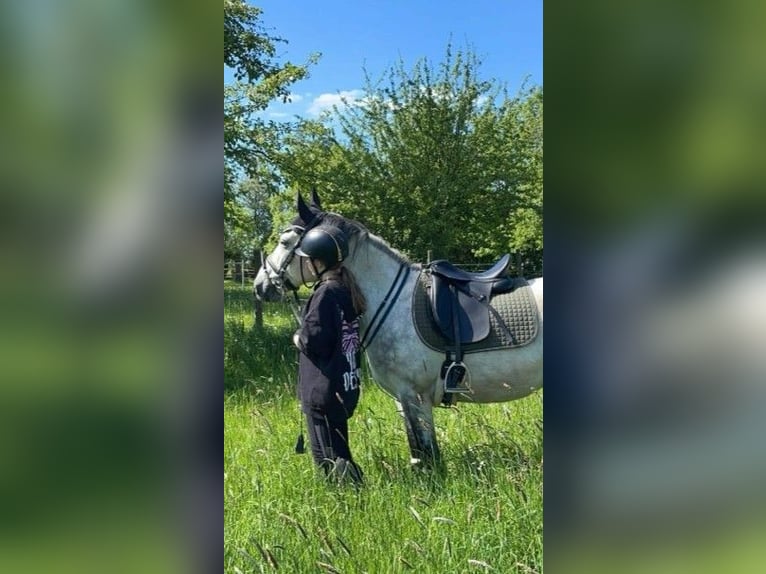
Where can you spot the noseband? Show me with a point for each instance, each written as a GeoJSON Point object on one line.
{"type": "Point", "coordinates": [277, 275]}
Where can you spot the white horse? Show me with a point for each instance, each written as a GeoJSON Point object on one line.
{"type": "Point", "coordinates": [399, 361]}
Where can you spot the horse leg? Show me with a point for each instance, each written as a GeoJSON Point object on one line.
{"type": "Point", "coordinates": [419, 425]}
{"type": "Point", "coordinates": [412, 439]}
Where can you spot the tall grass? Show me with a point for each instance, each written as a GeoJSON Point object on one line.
{"type": "Point", "coordinates": [483, 514]}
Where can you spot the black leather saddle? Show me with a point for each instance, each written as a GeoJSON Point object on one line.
{"type": "Point", "coordinates": [460, 300]}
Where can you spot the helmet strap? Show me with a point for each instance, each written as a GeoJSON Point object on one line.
{"type": "Point", "coordinates": [318, 274]}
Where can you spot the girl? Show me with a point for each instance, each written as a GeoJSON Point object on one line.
{"type": "Point", "coordinates": [328, 340]}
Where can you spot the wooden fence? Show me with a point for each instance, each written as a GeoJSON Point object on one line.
{"type": "Point", "coordinates": [244, 272]}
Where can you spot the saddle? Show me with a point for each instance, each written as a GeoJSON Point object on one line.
{"type": "Point", "coordinates": [461, 310]}
{"type": "Point", "coordinates": [460, 300]}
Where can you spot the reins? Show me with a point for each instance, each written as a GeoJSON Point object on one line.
{"type": "Point", "coordinates": [385, 307]}
{"type": "Point", "coordinates": [284, 286]}
{"type": "Point", "coordinates": [381, 313]}
{"type": "Point", "coordinates": [295, 307]}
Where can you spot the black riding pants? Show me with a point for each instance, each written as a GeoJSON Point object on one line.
{"type": "Point", "coordinates": [329, 445]}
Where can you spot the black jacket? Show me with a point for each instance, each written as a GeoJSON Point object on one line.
{"type": "Point", "coordinates": [329, 374]}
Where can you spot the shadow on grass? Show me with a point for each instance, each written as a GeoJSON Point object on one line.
{"type": "Point", "coordinates": [237, 299]}
{"type": "Point", "coordinates": [260, 358]}
{"type": "Point", "coordinates": [485, 456]}
{"type": "Point", "coordinates": [481, 464]}
{"type": "Point", "coordinates": [493, 461]}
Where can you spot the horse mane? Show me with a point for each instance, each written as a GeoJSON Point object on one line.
{"type": "Point", "coordinates": [355, 229]}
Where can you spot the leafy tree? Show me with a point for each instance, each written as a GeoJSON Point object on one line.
{"type": "Point", "coordinates": [250, 141]}
{"type": "Point", "coordinates": [519, 179]}
{"type": "Point", "coordinates": [249, 223]}
{"type": "Point", "coordinates": [432, 159]}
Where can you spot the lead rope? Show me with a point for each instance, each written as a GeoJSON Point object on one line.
{"type": "Point", "coordinates": [295, 307]}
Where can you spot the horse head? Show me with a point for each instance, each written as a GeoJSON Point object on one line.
{"type": "Point", "coordinates": [282, 271]}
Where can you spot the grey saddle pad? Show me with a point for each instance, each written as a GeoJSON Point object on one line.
{"type": "Point", "coordinates": [518, 310]}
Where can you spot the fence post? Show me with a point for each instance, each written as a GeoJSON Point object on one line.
{"type": "Point", "coordinates": [428, 256]}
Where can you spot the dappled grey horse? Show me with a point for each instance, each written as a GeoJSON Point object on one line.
{"type": "Point", "coordinates": [500, 361]}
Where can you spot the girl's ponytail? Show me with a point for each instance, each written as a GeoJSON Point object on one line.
{"type": "Point", "coordinates": [357, 297]}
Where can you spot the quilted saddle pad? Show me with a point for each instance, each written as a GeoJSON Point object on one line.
{"type": "Point", "coordinates": [517, 309]}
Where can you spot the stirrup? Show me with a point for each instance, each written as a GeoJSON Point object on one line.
{"type": "Point", "coordinates": [457, 379]}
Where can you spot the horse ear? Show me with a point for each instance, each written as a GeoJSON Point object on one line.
{"type": "Point", "coordinates": [303, 210]}
{"type": "Point", "coordinates": [315, 198]}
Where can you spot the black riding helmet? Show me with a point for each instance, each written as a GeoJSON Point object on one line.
{"type": "Point", "coordinates": [326, 243]}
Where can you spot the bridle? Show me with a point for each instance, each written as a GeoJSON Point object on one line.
{"type": "Point", "coordinates": [284, 285]}
{"type": "Point", "coordinates": [277, 273]}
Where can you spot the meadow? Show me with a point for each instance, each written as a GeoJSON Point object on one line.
{"type": "Point", "coordinates": [484, 514]}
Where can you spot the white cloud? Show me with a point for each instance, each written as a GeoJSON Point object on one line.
{"type": "Point", "coordinates": [326, 101]}
{"type": "Point", "coordinates": [280, 110]}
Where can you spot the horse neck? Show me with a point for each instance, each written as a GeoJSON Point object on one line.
{"type": "Point", "coordinates": [375, 267]}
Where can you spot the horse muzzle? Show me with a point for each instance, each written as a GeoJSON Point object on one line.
{"type": "Point", "coordinates": [264, 289]}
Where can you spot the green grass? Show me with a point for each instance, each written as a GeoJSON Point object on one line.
{"type": "Point", "coordinates": [483, 514]}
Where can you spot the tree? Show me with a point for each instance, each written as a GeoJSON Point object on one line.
{"type": "Point", "coordinates": [431, 159]}
{"type": "Point", "coordinates": [250, 221]}
{"type": "Point", "coordinates": [519, 179]}
{"type": "Point", "coordinates": [250, 141]}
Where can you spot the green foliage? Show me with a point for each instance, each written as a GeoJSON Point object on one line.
{"type": "Point", "coordinates": [249, 141]}
{"type": "Point", "coordinates": [279, 514]}
{"type": "Point", "coordinates": [433, 158]}
{"type": "Point", "coordinates": [248, 220]}
{"type": "Point", "coordinates": [251, 355]}
{"type": "Point", "coordinates": [520, 180]}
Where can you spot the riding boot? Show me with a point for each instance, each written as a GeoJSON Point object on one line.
{"type": "Point", "coordinates": [346, 471]}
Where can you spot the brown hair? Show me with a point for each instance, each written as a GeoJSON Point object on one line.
{"type": "Point", "coordinates": [347, 278]}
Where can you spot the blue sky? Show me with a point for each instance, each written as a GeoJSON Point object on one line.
{"type": "Point", "coordinates": [506, 34]}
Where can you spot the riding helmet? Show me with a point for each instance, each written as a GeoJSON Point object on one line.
{"type": "Point", "coordinates": [326, 243]}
